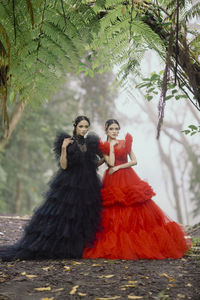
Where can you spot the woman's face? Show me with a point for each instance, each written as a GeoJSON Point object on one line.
{"type": "Point", "coordinates": [82, 128]}
{"type": "Point", "coordinates": [112, 131]}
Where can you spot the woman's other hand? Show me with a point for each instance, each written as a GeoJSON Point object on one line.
{"type": "Point", "coordinates": [67, 142]}
{"type": "Point", "coordinates": [113, 170]}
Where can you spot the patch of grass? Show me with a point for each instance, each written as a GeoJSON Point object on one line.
{"type": "Point", "coordinates": [162, 296]}
{"type": "Point", "coordinates": [195, 250]}
{"type": "Point", "coordinates": [195, 242]}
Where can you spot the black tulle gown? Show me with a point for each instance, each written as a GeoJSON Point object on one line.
{"type": "Point", "coordinates": [70, 216]}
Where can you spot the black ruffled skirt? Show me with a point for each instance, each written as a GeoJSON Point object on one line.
{"type": "Point", "coordinates": [66, 222]}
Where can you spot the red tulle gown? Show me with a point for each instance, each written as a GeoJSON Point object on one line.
{"type": "Point", "coordinates": [134, 227]}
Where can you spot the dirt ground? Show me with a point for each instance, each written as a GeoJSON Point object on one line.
{"type": "Point", "coordinates": [97, 279]}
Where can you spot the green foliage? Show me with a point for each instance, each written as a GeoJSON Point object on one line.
{"type": "Point", "coordinates": [129, 28]}
{"type": "Point", "coordinates": [153, 85]}
{"type": "Point", "coordinates": [196, 241]}
{"type": "Point", "coordinates": [122, 39]}
{"type": "Point", "coordinates": [41, 42]}
{"type": "Point", "coordinates": [163, 296]}
{"type": "Point", "coordinates": [192, 129]}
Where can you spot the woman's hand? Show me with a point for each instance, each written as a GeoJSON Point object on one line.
{"type": "Point", "coordinates": [66, 142]}
{"type": "Point", "coordinates": [113, 170]}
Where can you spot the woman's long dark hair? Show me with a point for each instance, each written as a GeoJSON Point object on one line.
{"type": "Point", "coordinates": [110, 122]}
{"type": "Point", "coordinates": [78, 120]}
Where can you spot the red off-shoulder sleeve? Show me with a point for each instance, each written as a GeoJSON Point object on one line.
{"type": "Point", "coordinates": [104, 147]}
{"type": "Point", "coordinates": [128, 142]}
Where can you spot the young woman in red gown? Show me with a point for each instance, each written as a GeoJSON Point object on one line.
{"type": "Point", "coordinates": [134, 227]}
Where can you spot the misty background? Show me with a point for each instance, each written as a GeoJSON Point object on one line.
{"type": "Point", "coordinates": [170, 164]}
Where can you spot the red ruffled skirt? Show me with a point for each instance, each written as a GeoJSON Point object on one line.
{"type": "Point", "coordinates": [134, 227]}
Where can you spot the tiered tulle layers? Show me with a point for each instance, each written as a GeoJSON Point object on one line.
{"type": "Point", "coordinates": [134, 226]}
{"type": "Point", "coordinates": [69, 218]}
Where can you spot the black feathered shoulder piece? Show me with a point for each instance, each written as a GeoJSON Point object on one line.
{"type": "Point", "coordinates": [58, 143]}
{"type": "Point", "coordinates": [93, 142]}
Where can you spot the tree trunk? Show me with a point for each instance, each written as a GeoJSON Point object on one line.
{"type": "Point", "coordinates": [19, 188]}
{"type": "Point", "coordinates": [186, 62]}
{"type": "Point", "coordinates": [19, 184]}
{"type": "Point", "coordinates": [16, 116]}
{"type": "Point", "coordinates": [167, 160]}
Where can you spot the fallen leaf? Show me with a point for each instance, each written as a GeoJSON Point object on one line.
{"type": "Point", "coordinates": [74, 289]}
{"type": "Point", "coordinates": [134, 297]}
{"type": "Point", "coordinates": [28, 275]}
{"type": "Point", "coordinates": [67, 268]}
{"type": "Point", "coordinates": [123, 289]}
{"type": "Point", "coordinates": [46, 268]}
{"type": "Point", "coordinates": [82, 294]}
{"type": "Point", "coordinates": [10, 265]}
{"type": "Point", "coordinates": [181, 296]}
{"type": "Point", "coordinates": [126, 267]}
{"type": "Point", "coordinates": [108, 298]}
{"type": "Point", "coordinates": [172, 284]}
{"type": "Point", "coordinates": [106, 276]}
{"type": "Point", "coordinates": [171, 279]}
{"type": "Point", "coordinates": [189, 284]}
{"type": "Point", "coordinates": [57, 290]}
{"type": "Point", "coordinates": [164, 275]}
{"type": "Point", "coordinates": [129, 285]}
{"type": "Point", "coordinates": [77, 263]}
{"type": "Point", "coordinates": [130, 281]}
{"type": "Point", "coordinates": [31, 276]}
{"type": "Point", "coordinates": [52, 298]}
{"type": "Point", "coordinates": [146, 277]}
{"type": "Point", "coordinates": [96, 265]}
{"type": "Point", "coordinates": [43, 289]}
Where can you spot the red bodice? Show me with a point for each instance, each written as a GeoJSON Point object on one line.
{"type": "Point", "coordinates": [122, 149]}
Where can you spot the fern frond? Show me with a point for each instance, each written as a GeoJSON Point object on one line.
{"type": "Point", "coordinates": [192, 12]}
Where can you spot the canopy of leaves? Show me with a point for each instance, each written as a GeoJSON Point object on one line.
{"type": "Point", "coordinates": [129, 28]}
{"type": "Point", "coordinates": [39, 42]}
{"type": "Point", "coordinates": [42, 40]}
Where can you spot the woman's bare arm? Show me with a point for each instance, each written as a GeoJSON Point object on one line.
{"type": "Point", "coordinates": [63, 156]}
{"type": "Point", "coordinates": [110, 159]}
{"type": "Point", "coordinates": [100, 161]}
{"type": "Point", "coordinates": [131, 163]}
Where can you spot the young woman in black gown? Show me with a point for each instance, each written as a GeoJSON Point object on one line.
{"type": "Point", "coordinates": [70, 216]}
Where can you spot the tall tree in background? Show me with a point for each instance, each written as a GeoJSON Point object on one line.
{"type": "Point", "coordinates": [96, 95]}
